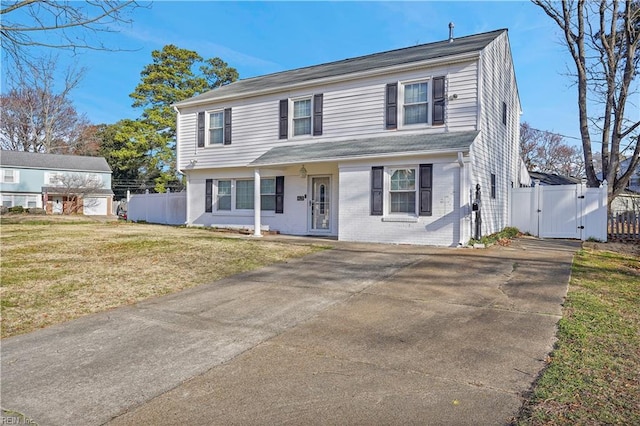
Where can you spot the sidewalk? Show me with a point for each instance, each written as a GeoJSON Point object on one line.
{"type": "Point", "coordinates": [361, 334]}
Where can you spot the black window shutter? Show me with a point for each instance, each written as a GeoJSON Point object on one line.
{"type": "Point", "coordinates": [426, 179]}
{"type": "Point", "coordinates": [200, 129]}
{"type": "Point", "coordinates": [493, 185]}
{"type": "Point", "coordinates": [438, 100]}
{"type": "Point", "coordinates": [391, 107]}
{"type": "Point", "coordinates": [227, 126]}
{"type": "Point", "coordinates": [208, 196]}
{"type": "Point", "coordinates": [279, 194]}
{"type": "Point", "coordinates": [317, 114]}
{"type": "Point", "coordinates": [504, 113]}
{"type": "Point", "coordinates": [284, 119]}
{"type": "Point", "coordinates": [377, 175]}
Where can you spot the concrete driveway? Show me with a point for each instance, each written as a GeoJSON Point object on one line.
{"type": "Point", "coordinates": [361, 334]}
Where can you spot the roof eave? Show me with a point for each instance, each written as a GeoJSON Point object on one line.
{"type": "Point", "coordinates": [463, 57]}
{"type": "Point", "coordinates": [362, 157]}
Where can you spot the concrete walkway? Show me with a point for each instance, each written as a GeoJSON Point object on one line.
{"type": "Point", "coordinates": [361, 334]}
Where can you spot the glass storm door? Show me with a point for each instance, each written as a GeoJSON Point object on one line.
{"type": "Point", "coordinates": [320, 204]}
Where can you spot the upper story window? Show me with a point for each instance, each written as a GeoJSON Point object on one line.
{"type": "Point", "coordinates": [304, 119]}
{"type": "Point", "coordinates": [10, 176]}
{"type": "Point", "coordinates": [51, 178]}
{"type": "Point", "coordinates": [73, 179]}
{"type": "Point", "coordinates": [216, 127]}
{"type": "Point", "coordinates": [416, 103]}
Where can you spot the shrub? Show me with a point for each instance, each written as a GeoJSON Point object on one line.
{"type": "Point", "coordinates": [503, 237]}
{"type": "Point", "coordinates": [16, 209]}
{"type": "Point", "coordinates": [36, 210]}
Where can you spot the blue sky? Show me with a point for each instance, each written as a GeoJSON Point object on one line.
{"type": "Point", "coordinates": [263, 37]}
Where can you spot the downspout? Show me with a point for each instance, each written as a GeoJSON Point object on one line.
{"type": "Point", "coordinates": [178, 169]}
{"type": "Point", "coordinates": [256, 203]}
{"type": "Point", "coordinates": [462, 196]}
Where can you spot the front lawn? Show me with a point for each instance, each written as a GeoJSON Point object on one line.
{"type": "Point", "coordinates": [593, 375]}
{"type": "Point", "coordinates": [56, 270]}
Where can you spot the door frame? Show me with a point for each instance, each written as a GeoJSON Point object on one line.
{"type": "Point", "coordinates": [310, 228]}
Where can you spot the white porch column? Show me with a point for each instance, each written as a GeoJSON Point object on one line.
{"type": "Point", "coordinates": [256, 203]}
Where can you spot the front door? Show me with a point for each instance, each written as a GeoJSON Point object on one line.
{"type": "Point", "coordinates": [57, 205]}
{"type": "Point", "coordinates": [320, 204]}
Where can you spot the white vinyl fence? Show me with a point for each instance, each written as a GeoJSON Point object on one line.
{"type": "Point", "coordinates": [169, 208]}
{"type": "Point", "coordinates": [561, 211]}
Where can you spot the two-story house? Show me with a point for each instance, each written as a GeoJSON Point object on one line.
{"type": "Point", "coordinates": [388, 147]}
{"type": "Point", "coordinates": [58, 183]}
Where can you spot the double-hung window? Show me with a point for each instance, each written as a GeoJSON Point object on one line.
{"type": "Point", "coordinates": [268, 194]}
{"type": "Point", "coordinates": [223, 196]}
{"type": "Point", "coordinates": [416, 103]}
{"type": "Point", "coordinates": [9, 176]}
{"type": "Point", "coordinates": [216, 127]}
{"type": "Point", "coordinates": [402, 191]}
{"type": "Point", "coordinates": [213, 128]}
{"type": "Point", "coordinates": [302, 117]}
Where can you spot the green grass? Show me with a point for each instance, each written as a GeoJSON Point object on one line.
{"type": "Point", "coordinates": [60, 268]}
{"type": "Point", "coordinates": [593, 374]}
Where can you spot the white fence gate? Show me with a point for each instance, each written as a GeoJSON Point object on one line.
{"type": "Point", "coordinates": [169, 208]}
{"type": "Point", "coordinates": [561, 211]}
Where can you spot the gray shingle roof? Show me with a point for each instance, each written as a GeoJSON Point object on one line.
{"type": "Point", "coordinates": [390, 58]}
{"type": "Point", "coordinates": [31, 160]}
{"type": "Point", "coordinates": [553, 179]}
{"type": "Point", "coordinates": [386, 146]}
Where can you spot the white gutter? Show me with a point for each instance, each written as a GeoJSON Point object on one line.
{"type": "Point", "coordinates": [463, 57]}
{"type": "Point", "coordinates": [358, 157]}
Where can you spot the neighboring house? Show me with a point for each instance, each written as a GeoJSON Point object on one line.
{"type": "Point", "coordinates": [386, 147]}
{"type": "Point", "coordinates": [58, 183]}
{"type": "Point", "coordinates": [634, 182]}
{"type": "Point", "coordinates": [553, 179]}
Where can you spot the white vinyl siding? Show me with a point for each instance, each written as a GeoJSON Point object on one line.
{"type": "Point", "coordinates": [496, 150]}
{"type": "Point", "coordinates": [351, 109]}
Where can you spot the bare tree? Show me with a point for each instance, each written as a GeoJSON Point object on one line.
{"type": "Point", "coordinates": [602, 37]}
{"type": "Point", "coordinates": [70, 25]}
{"type": "Point", "coordinates": [547, 152]}
{"type": "Point", "coordinates": [34, 116]}
{"type": "Point", "coordinates": [76, 190]}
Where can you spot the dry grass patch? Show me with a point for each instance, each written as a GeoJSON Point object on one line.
{"type": "Point", "coordinates": [56, 271]}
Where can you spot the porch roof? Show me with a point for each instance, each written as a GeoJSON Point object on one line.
{"type": "Point", "coordinates": [372, 147]}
